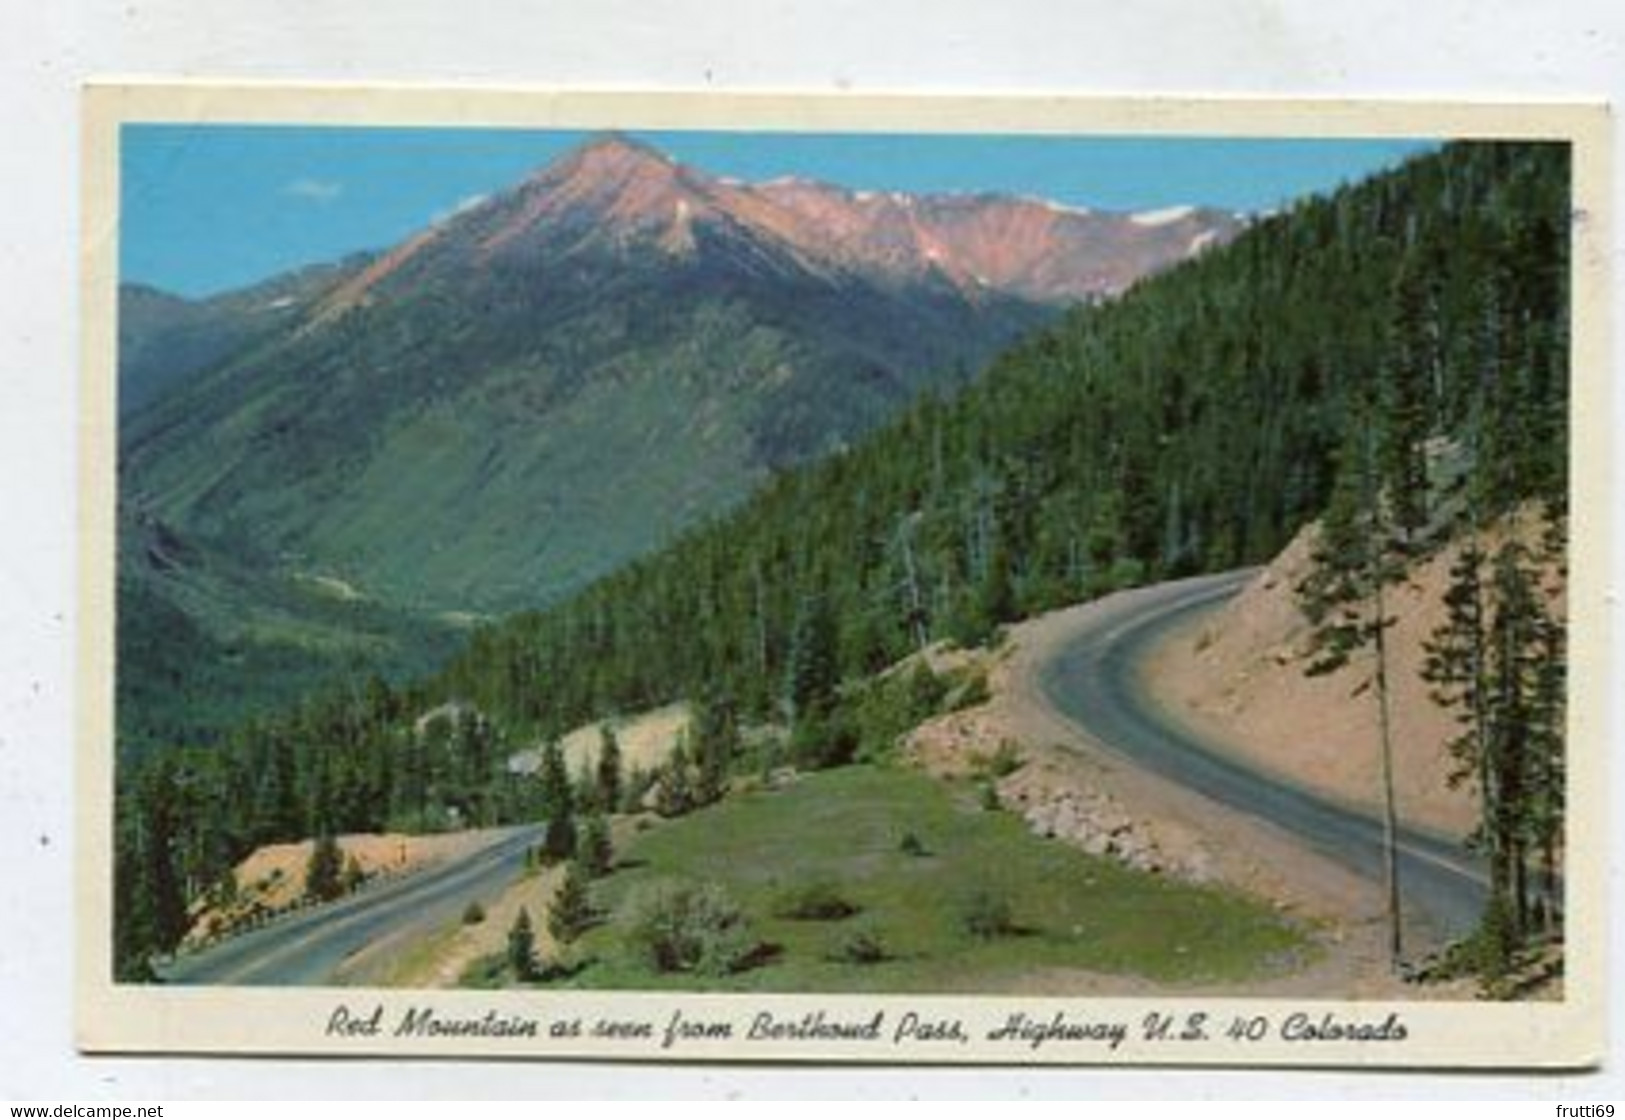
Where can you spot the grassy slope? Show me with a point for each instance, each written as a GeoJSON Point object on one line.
{"type": "Point", "coordinates": [844, 826]}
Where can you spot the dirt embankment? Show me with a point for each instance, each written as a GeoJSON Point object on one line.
{"type": "Point", "coordinates": [1238, 678]}
{"type": "Point", "coordinates": [271, 880]}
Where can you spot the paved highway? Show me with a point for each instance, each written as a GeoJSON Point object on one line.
{"type": "Point", "coordinates": [1095, 683]}
{"type": "Point", "coordinates": [309, 947]}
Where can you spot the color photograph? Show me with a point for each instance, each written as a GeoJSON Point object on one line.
{"type": "Point", "coordinates": [1067, 564]}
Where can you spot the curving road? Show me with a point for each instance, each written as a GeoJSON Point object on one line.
{"type": "Point", "coordinates": [310, 947]}
{"type": "Point", "coordinates": [1094, 682]}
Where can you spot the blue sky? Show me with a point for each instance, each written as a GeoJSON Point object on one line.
{"type": "Point", "coordinates": [206, 208]}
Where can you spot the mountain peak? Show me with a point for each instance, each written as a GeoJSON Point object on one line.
{"type": "Point", "coordinates": [621, 195]}
{"type": "Point", "coordinates": [611, 162]}
{"type": "Point", "coordinates": [611, 178]}
{"type": "Point", "coordinates": [617, 152]}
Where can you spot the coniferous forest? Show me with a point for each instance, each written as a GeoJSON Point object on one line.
{"type": "Point", "coordinates": [1391, 360]}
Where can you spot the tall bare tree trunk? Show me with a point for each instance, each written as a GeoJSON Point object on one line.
{"type": "Point", "coordinates": [1390, 814]}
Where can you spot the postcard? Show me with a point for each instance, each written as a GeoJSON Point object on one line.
{"type": "Point", "coordinates": [662, 576]}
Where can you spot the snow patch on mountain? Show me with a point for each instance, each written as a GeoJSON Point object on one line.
{"type": "Point", "coordinates": [1163, 217]}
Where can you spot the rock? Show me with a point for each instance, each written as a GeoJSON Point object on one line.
{"type": "Point", "coordinates": [1198, 867]}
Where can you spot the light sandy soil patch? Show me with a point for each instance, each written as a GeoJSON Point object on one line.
{"type": "Point", "coordinates": [272, 878]}
{"type": "Point", "coordinates": [646, 741]}
{"type": "Point", "coordinates": [332, 586]}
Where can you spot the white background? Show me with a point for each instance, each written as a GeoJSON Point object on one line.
{"type": "Point", "coordinates": [1479, 49]}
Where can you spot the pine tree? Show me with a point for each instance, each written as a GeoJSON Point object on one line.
{"type": "Point", "coordinates": [1407, 389]}
{"type": "Point", "coordinates": [474, 750]}
{"type": "Point", "coordinates": [522, 947]}
{"type": "Point", "coordinates": [714, 743]}
{"type": "Point", "coordinates": [561, 837]}
{"type": "Point", "coordinates": [557, 805]}
{"type": "Point", "coordinates": [997, 594]}
{"type": "Point", "coordinates": [571, 913]}
{"type": "Point", "coordinates": [596, 852]}
{"type": "Point", "coordinates": [674, 796]}
{"type": "Point", "coordinates": [1514, 637]}
{"type": "Point", "coordinates": [1498, 662]}
{"type": "Point", "coordinates": [166, 895]}
{"type": "Point", "coordinates": [1354, 561]}
{"type": "Point", "coordinates": [324, 870]}
{"type": "Point", "coordinates": [812, 675]}
{"type": "Point", "coordinates": [609, 769]}
{"type": "Point", "coordinates": [1548, 709]}
{"type": "Point", "coordinates": [1457, 666]}
{"type": "Point", "coordinates": [133, 937]}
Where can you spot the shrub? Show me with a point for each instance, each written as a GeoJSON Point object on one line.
{"type": "Point", "coordinates": [924, 692]}
{"type": "Point", "coordinates": [688, 927]}
{"type": "Point", "coordinates": [912, 845]}
{"type": "Point", "coordinates": [223, 894]}
{"type": "Point", "coordinates": [969, 626]}
{"type": "Point", "coordinates": [813, 902]}
{"type": "Point", "coordinates": [353, 876]}
{"type": "Point", "coordinates": [1004, 761]}
{"type": "Point", "coordinates": [986, 915]}
{"type": "Point", "coordinates": [484, 972]}
{"type": "Point", "coordinates": [587, 797]}
{"type": "Point", "coordinates": [973, 692]}
{"type": "Point", "coordinates": [988, 797]}
{"type": "Point", "coordinates": [1493, 945]}
{"type": "Point", "coordinates": [473, 914]}
{"type": "Point", "coordinates": [823, 741]}
{"type": "Point", "coordinates": [674, 794]}
{"type": "Point", "coordinates": [890, 707]}
{"type": "Point", "coordinates": [635, 789]}
{"type": "Point", "coordinates": [861, 946]}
